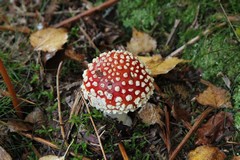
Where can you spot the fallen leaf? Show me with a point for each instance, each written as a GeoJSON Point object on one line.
{"type": "Point", "coordinates": [180, 113]}
{"type": "Point", "coordinates": [215, 97]}
{"type": "Point", "coordinates": [19, 125]}
{"type": "Point", "coordinates": [141, 43]}
{"type": "Point", "coordinates": [215, 128]}
{"type": "Point", "coordinates": [49, 39]}
{"type": "Point", "coordinates": [206, 153]}
{"type": "Point", "coordinates": [236, 158]}
{"type": "Point", "coordinates": [71, 53]}
{"type": "Point", "coordinates": [36, 117]}
{"type": "Point", "coordinates": [157, 65]}
{"type": "Point", "coordinates": [4, 155]}
{"type": "Point", "coordinates": [151, 114]}
{"type": "Point", "coordinates": [51, 157]}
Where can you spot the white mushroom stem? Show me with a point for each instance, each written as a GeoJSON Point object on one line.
{"type": "Point", "coordinates": [124, 118]}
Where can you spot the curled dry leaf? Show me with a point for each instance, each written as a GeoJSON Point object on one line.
{"type": "Point", "coordinates": [206, 153]}
{"type": "Point", "coordinates": [51, 157]}
{"type": "Point", "coordinates": [151, 114]}
{"type": "Point", "coordinates": [215, 97]}
{"type": "Point", "coordinates": [4, 155]}
{"type": "Point", "coordinates": [49, 39]}
{"type": "Point", "coordinates": [215, 128]}
{"type": "Point", "coordinates": [141, 43]}
{"type": "Point", "coordinates": [157, 65]}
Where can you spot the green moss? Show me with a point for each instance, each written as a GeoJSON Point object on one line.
{"type": "Point", "coordinates": [141, 14]}
{"type": "Point", "coordinates": [217, 54]}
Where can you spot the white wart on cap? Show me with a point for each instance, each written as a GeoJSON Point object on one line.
{"type": "Point", "coordinates": [117, 82]}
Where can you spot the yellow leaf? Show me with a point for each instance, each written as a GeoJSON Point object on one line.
{"type": "Point", "coordinates": [49, 39]}
{"type": "Point", "coordinates": [206, 153]}
{"type": "Point", "coordinates": [215, 97]}
{"type": "Point", "coordinates": [159, 66]}
{"type": "Point", "coordinates": [141, 43]}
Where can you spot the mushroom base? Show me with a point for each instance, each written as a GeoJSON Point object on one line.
{"type": "Point", "coordinates": [124, 118]}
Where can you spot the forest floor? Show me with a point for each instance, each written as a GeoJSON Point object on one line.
{"type": "Point", "coordinates": [193, 54]}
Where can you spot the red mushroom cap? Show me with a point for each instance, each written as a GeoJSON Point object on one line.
{"type": "Point", "coordinates": [117, 82]}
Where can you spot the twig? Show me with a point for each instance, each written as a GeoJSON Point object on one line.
{"type": "Point", "coordinates": [11, 90]}
{"type": "Point", "coordinates": [195, 39]}
{"type": "Point", "coordinates": [40, 140]}
{"type": "Point", "coordinates": [168, 133]}
{"type": "Point", "coordinates": [95, 129]}
{"type": "Point", "coordinates": [50, 144]}
{"type": "Point", "coordinates": [229, 22]}
{"type": "Point", "coordinates": [196, 17]}
{"type": "Point", "coordinates": [123, 151]}
{"type": "Point", "coordinates": [59, 104]}
{"type": "Point", "coordinates": [190, 132]}
{"type": "Point", "coordinates": [87, 13]}
{"type": "Point", "coordinates": [89, 39]}
{"type": "Point", "coordinates": [176, 23]}
{"type": "Point", "coordinates": [21, 29]}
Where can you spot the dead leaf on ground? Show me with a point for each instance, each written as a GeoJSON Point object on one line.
{"type": "Point", "coordinates": [215, 97]}
{"type": "Point", "coordinates": [151, 114]}
{"type": "Point", "coordinates": [236, 158]}
{"type": "Point", "coordinates": [52, 157]}
{"type": "Point", "coordinates": [157, 65]}
{"type": "Point", "coordinates": [180, 113]}
{"type": "Point", "coordinates": [4, 155]}
{"type": "Point", "coordinates": [19, 126]}
{"type": "Point", "coordinates": [36, 117]}
{"type": "Point", "coordinates": [215, 128]}
{"type": "Point", "coordinates": [206, 153]}
{"type": "Point", "coordinates": [141, 43]}
{"type": "Point", "coordinates": [72, 54]}
{"type": "Point", "coordinates": [49, 39]}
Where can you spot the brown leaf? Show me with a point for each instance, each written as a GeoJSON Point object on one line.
{"type": "Point", "coordinates": [151, 114]}
{"type": "Point", "coordinates": [159, 66]}
{"type": "Point", "coordinates": [4, 155]}
{"type": "Point", "coordinates": [49, 39]}
{"type": "Point", "coordinates": [36, 117]}
{"type": "Point", "coordinates": [180, 113]}
{"type": "Point", "coordinates": [71, 53]}
{"type": "Point", "coordinates": [18, 125]}
{"type": "Point", "coordinates": [215, 97]}
{"type": "Point", "coordinates": [141, 43]}
{"type": "Point", "coordinates": [215, 128]}
{"type": "Point", "coordinates": [236, 158]}
{"type": "Point", "coordinates": [206, 153]}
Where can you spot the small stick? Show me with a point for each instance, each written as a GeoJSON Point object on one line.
{"type": "Point", "coordinates": [195, 39]}
{"type": "Point", "coordinates": [190, 132]}
{"type": "Point", "coordinates": [176, 23]}
{"type": "Point", "coordinates": [59, 103]}
{"type": "Point", "coordinates": [45, 142]}
{"type": "Point", "coordinates": [229, 22]}
{"type": "Point", "coordinates": [40, 140]}
{"type": "Point", "coordinates": [89, 39]}
{"type": "Point", "coordinates": [11, 90]}
{"type": "Point", "coordinates": [95, 128]}
{"type": "Point", "coordinates": [22, 29]}
{"type": "Point", "coordinates": [168, 133]}
{"type": "Point", "coordinates": [123, 151]}
{"type": "Point", "coordinates": [87, 13]}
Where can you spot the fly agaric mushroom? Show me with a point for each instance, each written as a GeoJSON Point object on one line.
{"type": "Point", "coordinates": [116, 82]}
